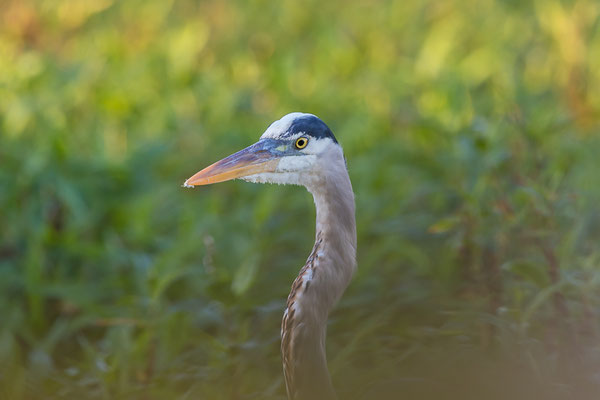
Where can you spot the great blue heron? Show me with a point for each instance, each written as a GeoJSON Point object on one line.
{"type": "Point", "coordinates": [300, 149]}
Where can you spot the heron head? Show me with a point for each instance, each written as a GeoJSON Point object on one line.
{"type": "Point", "coordinates": [297, 149]}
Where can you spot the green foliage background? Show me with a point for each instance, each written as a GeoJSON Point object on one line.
{"type": "Point", "coordinates": [471, 129]}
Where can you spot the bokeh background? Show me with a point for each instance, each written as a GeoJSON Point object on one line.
{"type": "Point", "coordinates": [472, 133]}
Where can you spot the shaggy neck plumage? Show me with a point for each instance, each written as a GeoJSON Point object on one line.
{"type": "Point", "coordinates": [334, 263]}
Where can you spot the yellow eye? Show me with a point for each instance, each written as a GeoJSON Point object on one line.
{"type": "Point", "coordinates": [301, 142]}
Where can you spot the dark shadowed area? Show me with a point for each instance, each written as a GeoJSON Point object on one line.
{"type": "Point", "coordinates": [472, 135]}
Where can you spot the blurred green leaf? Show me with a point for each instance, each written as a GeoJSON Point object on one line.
{"type": "Point", "coordinates": [528, 270]}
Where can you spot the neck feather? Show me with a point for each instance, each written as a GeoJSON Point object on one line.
{"type": "Point", "coordinates": [336, 226]}
{"type": "Point", "coordinates": [318, 287]}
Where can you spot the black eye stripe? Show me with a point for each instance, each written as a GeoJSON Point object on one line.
{"type": "Point", "coordinates": [311, 126]}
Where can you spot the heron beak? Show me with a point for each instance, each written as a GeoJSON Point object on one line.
{"type": "Point", "coordinates": [258, 158]}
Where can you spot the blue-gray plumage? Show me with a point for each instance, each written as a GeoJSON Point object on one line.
{"type": "Point", "coordinates": [300, 149]}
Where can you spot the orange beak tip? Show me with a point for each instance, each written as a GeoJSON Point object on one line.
{"type": "Point", "coordinates": [249, 161]}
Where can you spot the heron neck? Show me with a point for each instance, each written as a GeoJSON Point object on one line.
{"type": "Point", "coordinates": [336, 227]}
{"type": "Point", "coordinates": [329, 269]}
